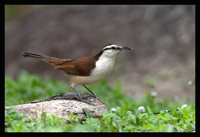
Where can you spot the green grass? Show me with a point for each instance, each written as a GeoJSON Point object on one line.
{"type": "Point", "coordinates": [122, 114]}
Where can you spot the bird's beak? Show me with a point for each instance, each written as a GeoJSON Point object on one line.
{"type": "Point", "coordinates": [127, 48]}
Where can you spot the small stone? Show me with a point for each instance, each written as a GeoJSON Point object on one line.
{"type": "Point", "coordinates": [113, 109]}
{"type": "Point", "coordinates": [153, 93]}
{"type": "Point", "coordinates": [190, 82]}
{"type": "Point", "coordinates": [184, 106]}
{"type": "Point", "coordinates": [128, 112]}
{"type": "Point", "coordinates": [141, 109]}
{"type": "Point", "coordinates": [166, 111]}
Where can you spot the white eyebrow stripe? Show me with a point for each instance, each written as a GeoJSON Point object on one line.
{"type": "Point", "coordinates": [112, 47]}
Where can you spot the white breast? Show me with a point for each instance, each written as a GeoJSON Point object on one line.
{"type": "Point", "coordinates": [103, 67]}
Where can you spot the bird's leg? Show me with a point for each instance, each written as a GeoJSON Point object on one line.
{"type": "Point", "coordinates": [79, 96]}
{"type": "Point", "coordinates": [94, 95]}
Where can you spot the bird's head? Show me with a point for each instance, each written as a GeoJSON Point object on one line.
{"type": "Point", "coordinates": [113, 50]}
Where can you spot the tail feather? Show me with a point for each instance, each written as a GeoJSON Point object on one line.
{"type": "Point", "coordinates": [33, 55]}
{"type": "Point", "coordinates": [56, 62]}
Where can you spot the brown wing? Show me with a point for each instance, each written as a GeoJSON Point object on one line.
{"type": "Point", "coordinates": [84, 65]}
{"type": "Point", "coordinates": [81, 66]}
{"type": "Point", "coordinates": [68, 67]}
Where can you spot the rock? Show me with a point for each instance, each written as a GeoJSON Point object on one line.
{"type": "Point", "coordinates": [62, 105]}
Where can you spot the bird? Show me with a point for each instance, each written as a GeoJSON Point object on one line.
{"type": "Point", "coordinates": [84, 70]}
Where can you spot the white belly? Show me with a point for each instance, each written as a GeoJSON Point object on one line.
{"type": "Point", "coordinates": [83, 80]}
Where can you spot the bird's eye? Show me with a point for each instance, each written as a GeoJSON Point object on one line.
{"type": "Point", "coordinates": [116, 48]}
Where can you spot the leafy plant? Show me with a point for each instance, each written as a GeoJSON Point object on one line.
{"type": "Point", "coordinates": [123, 114]}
